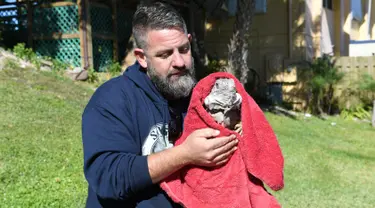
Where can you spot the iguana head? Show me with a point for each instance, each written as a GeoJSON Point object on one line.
{"type": "Point", "coordinates": [224, 103]}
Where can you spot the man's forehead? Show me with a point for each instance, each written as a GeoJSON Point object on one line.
{"type": "Point", "coordinates": [166, 38]}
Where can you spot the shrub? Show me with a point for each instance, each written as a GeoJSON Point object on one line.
{"type": "Point", "coordinates": [367, 84]}
{"type": "Point", "coordinates": [92, 76]}
{"type": "Point", "coordinates": [357, 99]}
{"type": "Point", "coordinates": [114, 68]}
{"type": "Point", "coordinates": [321, 78]}
{"type": "Point", "coordinates": [215, 66]}
{"type": "Point", "coordinates": [27, 54]}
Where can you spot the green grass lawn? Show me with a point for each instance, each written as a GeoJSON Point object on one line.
{"type": "Point", "coordinates": [326, 165]}
{"type": "Point", "coordinates": [40, 140]}
{"type": "Point", "coordinates": [41, 150]}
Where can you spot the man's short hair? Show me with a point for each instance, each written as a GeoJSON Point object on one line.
{"type": "Point", "coordinates": [155, 16]}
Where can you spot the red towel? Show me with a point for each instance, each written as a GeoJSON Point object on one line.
{"type": "Point", "coordinates": [238, 183]}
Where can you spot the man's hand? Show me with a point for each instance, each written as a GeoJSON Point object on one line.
{"type": "Point", "coordinates": [200, 148]}
{"type": "Point", "coordinates": [203, 149]}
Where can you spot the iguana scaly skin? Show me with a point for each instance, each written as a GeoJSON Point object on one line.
{"type": "Point", "coordinates": [224, 104]}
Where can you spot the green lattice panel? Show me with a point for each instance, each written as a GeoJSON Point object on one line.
{"type": "Point", "coordinates": [63, 19]}
{"type": "Point", "coordinates": [101, 20]}
{"type": "Point", "coordinates": [66, 50]}
{"type": "Point", "coordinates": [103, 53]}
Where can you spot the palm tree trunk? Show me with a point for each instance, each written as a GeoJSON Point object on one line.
{"type": "Point", "coordinates": [238, 45]}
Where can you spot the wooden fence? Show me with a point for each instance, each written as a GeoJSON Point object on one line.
{"type": "Point", "coordinates": [353, 68]}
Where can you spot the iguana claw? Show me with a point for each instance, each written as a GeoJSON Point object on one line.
{"type": "Point", "coordinates": [238, 128]}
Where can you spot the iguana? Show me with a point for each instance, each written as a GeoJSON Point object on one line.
{"type": "Point", "coordinates": [224, 104]}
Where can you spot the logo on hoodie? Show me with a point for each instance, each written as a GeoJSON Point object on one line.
{"type": "Point", "coordinates": [157, 140]}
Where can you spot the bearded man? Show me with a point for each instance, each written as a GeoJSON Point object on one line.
{"type": "Point", "coordinates": [131, 121]}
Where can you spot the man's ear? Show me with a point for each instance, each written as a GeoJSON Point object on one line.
{"type": "Point", "coordinates": [189, 37]}
{"type": "Point", "coordinates": [140, 56]}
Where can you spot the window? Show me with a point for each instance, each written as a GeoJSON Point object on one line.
{"type": "Point", "coordinates": [328, 4]}
{"type": "Point", "coordinates": [231, 6]}
{"type": "Point", "coordinates": [260, 6]}
{"type": "Point", "coordinates": [356, 7]}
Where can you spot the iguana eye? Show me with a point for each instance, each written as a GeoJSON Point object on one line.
{"type": "Point", "coordinates": [213, 111]}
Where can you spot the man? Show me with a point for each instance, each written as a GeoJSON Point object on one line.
{"type": "Point", "coordinates": [128, 124]}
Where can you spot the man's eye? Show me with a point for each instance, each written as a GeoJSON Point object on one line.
{"type": "Point", "coordinates": [184, 49]}
{"type": "Point", "coordinates": [164, 55]}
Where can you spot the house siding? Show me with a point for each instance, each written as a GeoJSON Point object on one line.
{"type": "Point", "coordinates": [269, 35]}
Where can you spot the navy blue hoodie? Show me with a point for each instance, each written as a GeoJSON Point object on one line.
{"type": "Point", "coordinates": [125, 120]}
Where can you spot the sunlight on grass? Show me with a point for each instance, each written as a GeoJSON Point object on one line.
{"type": "Point", "coordinates": [40, 142]}
{"type": "Point", "coordinates": [326, 165]}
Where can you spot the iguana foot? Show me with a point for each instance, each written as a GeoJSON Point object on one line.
{"type": "Point", "coordinates": [238, 128]}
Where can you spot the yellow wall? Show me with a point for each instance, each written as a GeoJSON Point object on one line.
{"type": "Point", "coordinates": [301, 37]}
{"type": "Point", "coordinates": [270, 33]}
{"type": "Point", "coordinates": [361, 31]}
{"type": "Point", "coordinates": [269, 36]}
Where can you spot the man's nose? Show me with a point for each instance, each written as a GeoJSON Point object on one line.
{"type": "Point", "coordinates": [178, 61]}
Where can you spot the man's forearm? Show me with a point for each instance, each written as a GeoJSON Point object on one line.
{"type": "Point", "coordinates": [164, 163]}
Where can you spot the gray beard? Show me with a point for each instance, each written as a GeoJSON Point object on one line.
{"type": "Point", "coordinates": [176, 89]}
